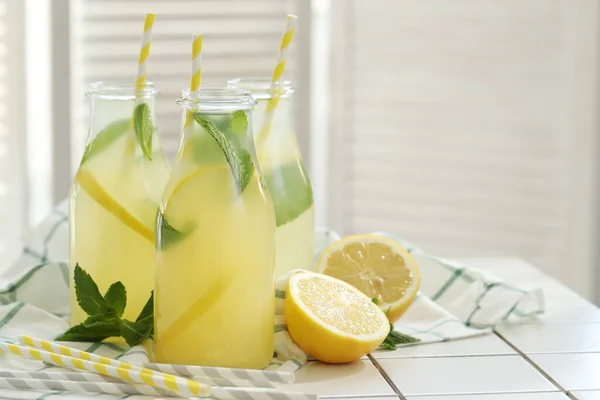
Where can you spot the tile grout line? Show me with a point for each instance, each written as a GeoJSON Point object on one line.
{"type": "Point", "coordinates": [450, 355]}
{"type": "Point", "coordinates": [467, 355]}
{"type": "Point", "coordinates": [536, 367]}
{"type": "Point", "coordinates": [386, 377]}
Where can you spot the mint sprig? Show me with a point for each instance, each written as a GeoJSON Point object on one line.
{"type": "Point", "coordinates": [144, 128]}
{"type": "Point", "coordinates": [105, 313]}
{"type": "Point", "coordinates": [231, 144]}
{"type": "Point", "coordinates": [394, 337]}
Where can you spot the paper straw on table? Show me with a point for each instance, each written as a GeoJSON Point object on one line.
{"type": "Point", "coordinates": [223, 393]}
{"type": "Point", "coordinates": [145, 376]}
{"type": "Point", "coordinates": [286, 40]}
{"type": "Point", "coordinates": [63, 375]}
{"type": "Point", "coordinates": [226, 393]}
{"type": "Point", "coordinates": [81, 387]}
{"type": "Point", "coordinates": [244, 376]}
{"type": "Point", "coordinates": [140, 80]}
{"type": "Point", "coordinates": [258, 378]}
{"type": "Point", "coordinates": [21, 381]}
{"type": "Point", "coordinates": [196, 77]}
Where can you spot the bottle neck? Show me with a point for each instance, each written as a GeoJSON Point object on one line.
{"type": "Point", "coordinates": [105, 111]}
{"type": "Point", "coordinates": [206, 136]}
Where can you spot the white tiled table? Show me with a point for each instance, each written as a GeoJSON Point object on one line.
{"type": "Point", "coordinates": [553, 357]}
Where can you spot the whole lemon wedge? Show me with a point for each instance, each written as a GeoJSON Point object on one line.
{"type": "Point", "coordinates": [379, 267]}
{"type": "Point", "coordinates": [332, 320]}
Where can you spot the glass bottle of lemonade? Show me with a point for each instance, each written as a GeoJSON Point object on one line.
{"type": "Point", "coordinates": [214, 297]}
{"type": "Point", "coordinates": [286, 177]}
{"type": "Point", "coordinates": [116, 193]}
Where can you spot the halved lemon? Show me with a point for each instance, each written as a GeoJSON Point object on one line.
{"type": "Point", "coordinates": [94, 189]}
{"type": "Point", "coordinates": [332, 320]}
{"type": "Point", "coordinates": [378, 267]}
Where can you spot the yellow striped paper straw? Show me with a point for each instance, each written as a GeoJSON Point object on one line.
{"type": "Point", "coordinates": [196, 77]}
{"type": "Point", "coordinates": [140, 80]}
{"type": "Point", "coordinates": [26, 380]}
{"type": "Point", "coordinates": [104, 367]}
{"type": "Point", "coordinates": [196, 62]}
{"type": "Point", "coordinates": [210, 375]}
{"type": "Point", "coordinates": [286, 40]}
{"type": "Point", "coordinates": [250, 381]}
{"type": "Point", "coordinates": [233, 375]}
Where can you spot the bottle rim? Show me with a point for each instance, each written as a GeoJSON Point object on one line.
{"type": "Point", "coordinates": [263, 88]}
{"type": "Point", "coordinates": [217, 99]}
{"type": "Point", "coordinates": [120, 90]}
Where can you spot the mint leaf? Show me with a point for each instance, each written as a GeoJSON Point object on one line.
{"type": "Point", "coordinates": [387, 346]}
{"type": "Point", "coordinates": [134, 332]}
{"type": "Point", "coordinates": [144, 129]}
{"type": "Point", "coordinates": [290, 191]}
{"type": "Point", "coordinates": [204, 149]}
{"type": "Point", "coordinates": [88, 296]}
{"type": "Point", "coordinates": [116, 297]}
{"type": "Point", "coordinates": [394, 338]}
{"type": "Point", "coordinates": [147, 313]}
{"type": "Point", "coordinates": [401, 338]}
{"type": "Point", "coordinates": [238, 124]}
{"type": "Point", "coordinates": [105, 138]}
{"type": "Point", "coordinates": [104, 314]}
{"type": "Point", "coordinates": [237, 157]}
{"type": "Point", "coordinates": [95, 332]}
{"type": "Point", "coordinates": [167, 234]}
{"type": "Point", "coordinates": [100, 320]}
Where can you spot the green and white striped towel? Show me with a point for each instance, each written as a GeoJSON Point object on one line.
{"type": "Point", "coordinates": [455, 302]}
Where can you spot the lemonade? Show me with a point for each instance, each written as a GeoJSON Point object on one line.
{"type": "Point", "coordinates": [116, 194]}
{"type": "Point", "coordinates": [214, 296]}
{"type": "Point", "coordinates": [286, 177]}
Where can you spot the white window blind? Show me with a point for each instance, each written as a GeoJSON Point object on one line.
{"type": "Point", "coordinates": [12, 133]}
{"type": "Point", "coordinates": [461, 126]}
{"type": "Point", "coordinates": [241, 38]}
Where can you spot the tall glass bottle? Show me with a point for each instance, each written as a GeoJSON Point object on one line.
{"type": "Point", "coordinates": [286, 177]}
{"type": "Point", "coordinates": [116, 193]}
{"type": "Point", "coordinates": [214, 296]}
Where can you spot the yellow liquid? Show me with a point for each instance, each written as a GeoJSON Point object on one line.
{"type": "Point", "coordinates": [214, 297]}
{"type": "Point", "coordinates": [295, 244]}
{"type": "Point", "coordinates": [289, 185]}
{"type": "Point", "coordinates": [101, 242]}
{"type": "Point", "coordinates": [292, 197]}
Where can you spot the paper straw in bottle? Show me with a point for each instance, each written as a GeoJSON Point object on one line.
{"type": "Point", "coordinates": [196, 63]}
{"type": "Point", "coordinates": [196, 77]}
{"type": "Point", "coordinates": [286, 40]}
{"type": "Point", "coordinates": [140, 80]}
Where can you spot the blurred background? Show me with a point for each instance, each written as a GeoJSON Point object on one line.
{"type": "Point", "coordinates": [468, 127]}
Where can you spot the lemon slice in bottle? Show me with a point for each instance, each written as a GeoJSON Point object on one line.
{"type": "Point", "coordinates": [94, 189]}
